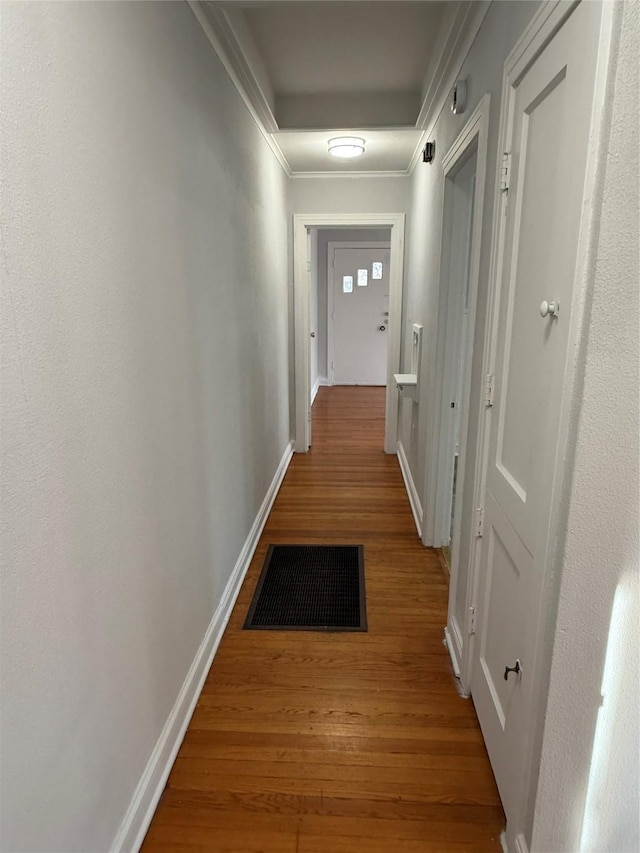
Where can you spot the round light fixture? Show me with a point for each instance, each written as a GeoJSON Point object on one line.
{"type": "Point", "coordinates": [346, 146]}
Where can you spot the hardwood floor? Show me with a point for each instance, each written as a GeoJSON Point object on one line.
{"type": "Point", "coordinates": [337, 743]}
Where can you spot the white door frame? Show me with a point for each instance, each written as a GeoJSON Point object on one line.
{"type": "Point", "coordinates": [474, 134]}
{"type": "Point", "coordinates": [545, 23]}
{"type": "Point", "coordinates": [301, 296]}
{"type": "Point", "coordinates": [339, 244]}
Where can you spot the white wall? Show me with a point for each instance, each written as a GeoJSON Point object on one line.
{"type": "Point", "coordinates": [326, 236]}
{"type": "Point", "coordinates": [144, 390]}
{"type": "Point", "coordinates": [350, 195]}
{"type": "Point", "coordinates": [482, 68]}
{"type": "Point", "coordinates": [589, 793]}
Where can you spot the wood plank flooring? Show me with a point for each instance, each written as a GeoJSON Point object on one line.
{"type": "Point", "coordinates": [337, 743]}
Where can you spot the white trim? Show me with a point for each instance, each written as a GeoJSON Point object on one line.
{"type": "Point", "coordinates": [455, 644]}
{"type": "Point", "coordinates": [475, 132]}
{"type": "Point", "coordinates": [301, 307]}
{"type": "Point", "coordinates": [227, 27]}
{"type": "Point", "coordinates": [521, 844]}
{"type": "Point", "coordinates": [217, 45]}
{"type": "Point", "coordinates": [448, 641]}
{"type": "Point", "coordinates": [454, 53]}
{"type": "Point", "coordinates": [151, 785]}
{"type": "Point", "coordinates": [412, 492]}
{"type": "Point", "coordinates": [332, 245]}
{"type": "Point", "coordinates": [314, 390]}
{"type": "Point", "coordinates": [397, 173]}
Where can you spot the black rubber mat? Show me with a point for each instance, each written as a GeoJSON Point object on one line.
{"type": "Point", "coordinates": [310, 588]}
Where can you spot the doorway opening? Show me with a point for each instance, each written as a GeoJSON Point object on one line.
{"type": "Point", "coordinates": [353, 299]}
{"type": "Point", "coordinates": [448, 518]}
{"type": "Point", "coordinates": [349, 281]}
{"type": "Point", "coordinates": [357, 302]}
{"type": "Point", "coordinates": [455, 304]}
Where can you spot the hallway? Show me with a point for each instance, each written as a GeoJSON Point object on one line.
{"type": "Point", "coordinates": [337, 743]}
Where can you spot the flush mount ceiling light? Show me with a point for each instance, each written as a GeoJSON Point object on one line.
{"type": "Point", "coordinates": [346, 146]}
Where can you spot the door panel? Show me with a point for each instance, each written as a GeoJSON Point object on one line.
{"type": "Point", "coordinates": [550, 115]}
{"type": "Point", "coordinates": [359, 325]}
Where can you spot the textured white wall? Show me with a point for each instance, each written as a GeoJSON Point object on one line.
{"type": "Point", "coordinates": [589, 793]}
{"type": "Point", "coordinates": [144, 390]}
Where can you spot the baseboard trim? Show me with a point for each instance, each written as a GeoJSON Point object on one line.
{"type": "Point", "coordinates": [321, 382]}
{"type": "Point", "coordinates": [151, 785]}
{"type": "Point", "coordinates": [451, 648]}
{"type": "Point", "coordinates": [521, 845]}
{"type": "Point", "coordinates": [412, 492]}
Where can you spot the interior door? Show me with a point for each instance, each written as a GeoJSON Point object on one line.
{"type": "Point", "coordinates": [359, 316]}
{"type": "Point", "coordinates": [549, 120]}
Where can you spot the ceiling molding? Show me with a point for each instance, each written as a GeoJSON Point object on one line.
{"type": "Point", "coordinates": [461, 35]}
{"type": "Point", "coordinates": [242, 55]}
{"type": "Point", "coordinates": [231, 41]}
{"type": "Point", "coordinates": [233, 65]}
{"type": "Point", "coordinates": [397, 174]}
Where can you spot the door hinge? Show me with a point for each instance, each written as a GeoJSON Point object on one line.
{"type": "Point", "coordinates": [308, 266]}
{"type": "Point", "coordinates": [488, 390]}
{"type": "Point", "coordinates": [479, 521]}
{"type": "Point", "coordinates": [505, 172]}
{"type": "Point", "coordinates": [472, 621]}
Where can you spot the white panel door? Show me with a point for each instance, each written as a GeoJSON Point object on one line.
{"type": "Point", "coordinates": [549, 114]}
{"type": "Point", "coordinates": [360, 316]}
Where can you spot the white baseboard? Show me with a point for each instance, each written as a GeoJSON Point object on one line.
{"type": "Point", "coordinates": [414, 500]}
{"type": "Point", "coordinates": [451, 648]}
{"type": "Point", "coordinates": [321, 382]}
{"type": "Point", "coordinates": [521, 844]}
{"type": "Point", "coordinates": [151, 785]}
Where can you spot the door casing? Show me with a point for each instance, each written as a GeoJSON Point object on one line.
{"type": "Point", "coordinates": [473, 135]}
{"type": "Point", "coordinates": [301, 310]}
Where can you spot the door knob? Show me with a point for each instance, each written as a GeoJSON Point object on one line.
{"type": "Point", "coordinates": [382, 328]}
{"type": "Point", "coordinates": [517, 669]}
{"type": "Point", "coordinates": [547, 308]}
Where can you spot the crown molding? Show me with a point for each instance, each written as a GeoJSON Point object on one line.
{"type": "Point", "coordinates": [461, 34]}
{"type": "Point", "coordinates": [403, 173]}
{"type": "Point", "coordinates": [223, 28]}
{"type": "Point", "coordinates": [218, 30]}
{"type": "Point", "coordinates": [237, 44]}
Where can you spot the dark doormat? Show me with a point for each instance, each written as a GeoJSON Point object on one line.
{"type": "Point", "coordinates": [310, 588]}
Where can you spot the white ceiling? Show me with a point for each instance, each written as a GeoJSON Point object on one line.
{"type": "Point", "coordinates": [313, 69]}
{"type": "Point", "coordinates": [385, 151]}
